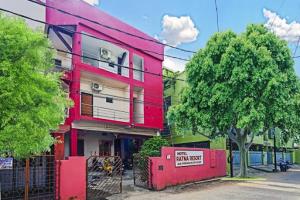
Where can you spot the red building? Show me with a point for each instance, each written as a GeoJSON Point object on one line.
{"type": "Point", "coordinates": [113, 77]}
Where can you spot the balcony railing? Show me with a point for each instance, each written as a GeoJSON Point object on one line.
{"type": "Point", "coordinates": [104, 113]}
{"type": "Point", "coordinates": [109, 113]}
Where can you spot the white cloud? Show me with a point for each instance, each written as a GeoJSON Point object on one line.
{"type": "Point", "coordinates": [145, 17]}
{"type": "Point", "coordinates": [287, 31]}
{"type": "Point", "coordinates": [177, 30]}
{"type": "Point", "coordinates": [92, 2]}
{"type": "Point", "coordinates": [174, 64]}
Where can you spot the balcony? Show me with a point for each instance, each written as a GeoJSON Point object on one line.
{"type": "Point", "coordinates": [62, 40]}
{"type": "Point", "coordinates": [104, 113]}
{"type": "Point", "coordinates": [105, 55]}
{"type": "Point", "coordinates": [109, 101]}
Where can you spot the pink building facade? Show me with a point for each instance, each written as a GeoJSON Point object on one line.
{"type": "Point", "coordinates": [113, 78]}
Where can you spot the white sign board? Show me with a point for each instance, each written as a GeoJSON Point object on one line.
{"type": "Point", "coordinates": [188, 158]}
{"type": "Point", "coordinates": [6, 163]}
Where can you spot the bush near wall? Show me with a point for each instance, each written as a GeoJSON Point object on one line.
{"type": "Point", "coordinates": [151, 148]}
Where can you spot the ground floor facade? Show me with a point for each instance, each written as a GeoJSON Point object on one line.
{"type": "Point", "coordinates": [86, 138]}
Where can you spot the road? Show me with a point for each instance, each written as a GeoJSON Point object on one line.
{"type": "Point", "coordinates": [276, 186]}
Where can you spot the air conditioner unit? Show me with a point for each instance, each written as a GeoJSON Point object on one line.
{"type": "Point", "coordinates": [96, 87]}
{"type": "Point", "coordinates": [105, 54]}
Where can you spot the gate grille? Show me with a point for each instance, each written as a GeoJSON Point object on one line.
{"type": "Point", "coordinates": [142, 172]}
{"type": "Point", "coordinates": [32, 178]}
{"type": "Point", "coordinates": [104, 176]}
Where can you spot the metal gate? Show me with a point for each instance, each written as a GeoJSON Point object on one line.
{"type": "Point", "coordinates": [288, 157]}
{"type": "Point", "coordinates": [256, 158]}
{"type": "Point", "coordinates": [104, 176]}
{"type": "Point", "coordinates": [270, 157]}
{"type": "Point", "coordinates": [33, 179]}
{"type": "Point", "coordinates": [236, 158]}
{"type": "Point", "coordinates": [142, 172]}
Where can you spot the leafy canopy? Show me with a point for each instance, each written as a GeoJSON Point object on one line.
{"type": "Point", "coordinates": [244, 81]}
{"type": "Point", "coordinates": [32, 102]}
{"type": "Point", "coordinates": [152, 146]}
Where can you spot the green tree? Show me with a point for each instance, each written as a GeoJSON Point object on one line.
{"type": "Point", "coordinates": [240, 86]}
{"type": "Point", "coordinates": [32, 102]}
{"type": "Point", "coordinates": [152, 146]}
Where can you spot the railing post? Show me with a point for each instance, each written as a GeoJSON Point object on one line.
{"type": "Point", "coordinates": [27, 178]}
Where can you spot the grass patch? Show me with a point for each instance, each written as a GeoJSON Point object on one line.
{"type": "Point", "coordinates": [243, 179]}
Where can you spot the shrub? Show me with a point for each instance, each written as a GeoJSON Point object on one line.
{"type": "Point", "coordinates": [152, 147]}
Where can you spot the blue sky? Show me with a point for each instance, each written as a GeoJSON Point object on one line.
{"type": "Point", "coordinates": [148, 16]}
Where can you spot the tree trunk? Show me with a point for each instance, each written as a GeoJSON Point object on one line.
{"type": "Point", "coordinates": [243, 156]}
{"type": "Point", "coordinates": [240, 136]}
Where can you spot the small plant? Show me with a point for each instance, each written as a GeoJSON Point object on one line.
{"type": "Point", "coordinates": [151, 148]}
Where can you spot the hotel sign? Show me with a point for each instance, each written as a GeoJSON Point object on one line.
{"type": "Point", "coordinates": [188, 158]}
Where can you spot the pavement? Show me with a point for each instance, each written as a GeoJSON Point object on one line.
{"type": "Point", "coordinates": [272, 186]}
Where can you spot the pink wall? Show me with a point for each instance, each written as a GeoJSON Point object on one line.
{"type": "Point", "coordinates": [214, 165]}
{"type": "Point", "coordinates": [71, 178]}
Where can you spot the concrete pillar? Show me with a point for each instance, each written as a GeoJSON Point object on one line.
{"type": "Point", "coordinates": [73, 142]}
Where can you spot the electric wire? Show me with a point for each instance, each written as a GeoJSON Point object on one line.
{"type": "Point", "coordinates": [217, 15]}
{"type": "Point", "coordinates": [91, 36]}
{"type": "Point", "coordinates": [88, 57]}
{"type": "Point", "coordinates": [109, 27]}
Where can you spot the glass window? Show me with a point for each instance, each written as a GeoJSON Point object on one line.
{"type": "Point", "coordinates": [138, 68]}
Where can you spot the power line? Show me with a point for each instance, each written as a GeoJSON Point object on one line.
{"type": "Point", "coordinates": [91, 36]}
{"type": "Point", "coordinates": [297, 45]}
{"type": "Point", "coordinates": [105, 61]}
{"type": "Point", "coordinates": [280, 6]}
{"type": "Point", "coordinates": [124, 99]}
{"type": "Point", "coordinates": [82, 56]}
{"type": "Point", "coordinates": [109, 27]}
{"type": "Point", "coordinates": [120, 98]}
{"type": "Point", "coordinates": [217, 15]}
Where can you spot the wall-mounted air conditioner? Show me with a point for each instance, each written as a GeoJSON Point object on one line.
{"type": "Point", "coordinates": [96, 87]}
{"type": "Point", "coordinates": [105, 54]}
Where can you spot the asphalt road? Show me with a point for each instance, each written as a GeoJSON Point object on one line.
{"type": "Point", "coordinates": [278, 186]}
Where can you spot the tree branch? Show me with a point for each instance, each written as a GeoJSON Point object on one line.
{"type": "Point", "coordinates": [231, 135]}
{"type": "Point", "coordinates": [251, 141]}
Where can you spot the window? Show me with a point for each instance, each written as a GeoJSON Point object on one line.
{"type": "Point", "coordinates": [167, 84]}
{"type": "Point", "coordinates": [138, 105]}
{"type": "Point", "coordinates": [109, 100]}
{"type": "Point", "coordinates": [105, 148]}
{"type": "Point", "coordinates": [138, 68]}
{"type": "Point", "coordinates": [105, 55]}
{"type": "Point", "coordinates": [57, 62]}
{"type": "Point", "coordinates": [167, 103]}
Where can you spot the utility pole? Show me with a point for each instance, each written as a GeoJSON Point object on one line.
{"type": "Point", "coordinates": [275, 159]}
{"type": "Point", "coordinates": [231, 158]}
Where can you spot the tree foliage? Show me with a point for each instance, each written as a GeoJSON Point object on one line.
{"type": "Point", "coordinates": [241, 85]}
{"type": "Point", "coordinates": [32, 102]}
{"type": "Point", "coordinates": [152, 146]}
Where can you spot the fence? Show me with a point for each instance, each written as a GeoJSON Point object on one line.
{"type": "Point", "coordinates": [33, 179]}
{"type": "Point", "coordinates": [255, 158]}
